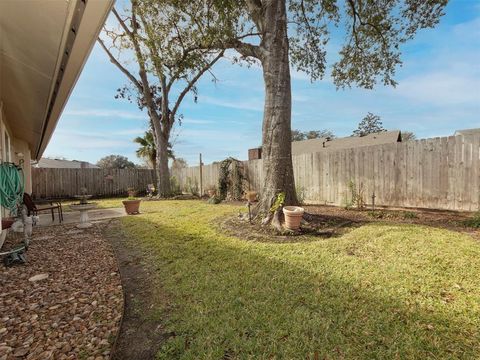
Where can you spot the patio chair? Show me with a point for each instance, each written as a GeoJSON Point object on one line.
{"type": "Point", "coordinates": [34, 208]}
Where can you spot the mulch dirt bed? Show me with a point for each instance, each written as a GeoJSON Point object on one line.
{"type": "Point", "coordinates": [66, 302]}
{"type": "Point", "coordinates": [451, 220]}
{"type": "Point", "coordinates": [328, 221]}
{"type": "Point", "coordinates": [141, 334]}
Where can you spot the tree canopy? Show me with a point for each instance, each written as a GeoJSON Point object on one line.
{"type": "Point", "coordinates": [408, 136]}
{"type": "Point", "coordinates": [298, 135]}
{"type": "Point", "coordinates": [373, 33]}
{"type": "Point", "coordinates": [115, 162]}
{"type": "Point", "coordinates": [370, 124]}
{"type": "Point", "coordinates": [156, 46]}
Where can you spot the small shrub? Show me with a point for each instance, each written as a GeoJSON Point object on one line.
{"type": "Point", "coordinates": [301, 194]}
{"type": "Point", "coordinates": [211, 189]}
{"type": "Point", "coordinates": [377, 214]}
{"type": "Point", "coordinates": [357, 196]}
{"type": "Point", "coordinates": [410, 215]}
{"type": "Point", "coordinates": [474, 221]}
{"type": "Point", "coordinates": [279, 201]}
{"type": "Point", "coordinates": [175, 186]}
{"type": "Point", "coordinates": [191, 186]}
{"type": "Point", "coordinates": [215, 200]}
{"type": "Point", "coordinates": [231, 179]}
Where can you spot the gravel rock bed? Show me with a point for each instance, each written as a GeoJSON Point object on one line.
{"type": "Point", "coordinates": [66, 302]}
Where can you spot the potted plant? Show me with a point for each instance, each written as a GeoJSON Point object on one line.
{"type": "Point", "coordinates": [131, 192]}
{"type": "Point", "coordinates": [132, 204]}
{"type": "Point", "coordinates": [293, 217]}
{"type": "Point", "coordinates": [251, 196]}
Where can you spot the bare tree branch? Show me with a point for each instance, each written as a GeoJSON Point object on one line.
{"type": "Point", "coordinates": [120, 66]}
{"type": "Point", "coordinates": [192, 82]}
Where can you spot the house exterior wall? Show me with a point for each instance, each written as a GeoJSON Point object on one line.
{"type": "Point", "coordinates": [37, 66]}
{"type": "Point", "coordinates": [16, 151]}
{"type": "Point", "coordinates": [21, 155]}
{"type": "Point", "coordinates": [5, 150]}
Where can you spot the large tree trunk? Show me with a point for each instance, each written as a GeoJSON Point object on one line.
{"type": "Point", "coordinates": [276, 132]}
{"type": "Point", "coordinates": [162, 171]}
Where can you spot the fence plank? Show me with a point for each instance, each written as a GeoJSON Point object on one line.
{"type": "Point", "coordinates": [439, 173]}
{"type": "Point", "coordinates": [65, 183]}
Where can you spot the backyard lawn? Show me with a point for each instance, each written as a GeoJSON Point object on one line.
{"type": "Point", "coordinates": [377, 292]}
{"type": "Point", "coordinates": [106, 203]}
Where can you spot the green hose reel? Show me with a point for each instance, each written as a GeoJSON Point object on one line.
{"type": "Point", "coordinates": [12, 186]}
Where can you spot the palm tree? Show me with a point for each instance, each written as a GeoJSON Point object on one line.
{"type": "Point", "coordinates": [148, 150]}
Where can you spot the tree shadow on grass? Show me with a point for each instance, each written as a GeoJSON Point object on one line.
{"type": "Point", "coordinates": [234, 299]}
{"type": "Point", "coordinates": [314, 228]}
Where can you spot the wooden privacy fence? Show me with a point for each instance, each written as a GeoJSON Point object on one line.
{"type": "Point", "coordinates": [65, 183]}
{"type": "Point", "coordinates": [438, 173]}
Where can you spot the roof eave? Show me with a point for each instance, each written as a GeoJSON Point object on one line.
{"type": "Point", "coordinates": [88, 29]}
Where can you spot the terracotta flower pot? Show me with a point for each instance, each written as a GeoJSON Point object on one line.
{"type": "Point", "coordinates": [7, 222]}
{"type": "Point", "coordinates": [251, 196]}
{"type": "Point", "coordinates": [131, 206]}
{"type": "Point", "coordinates": [293, 217]}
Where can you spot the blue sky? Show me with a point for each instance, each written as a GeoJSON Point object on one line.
{"type": "Point", "coordinates": [438, 92]}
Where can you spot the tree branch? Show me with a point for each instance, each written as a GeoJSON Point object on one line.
{"type": "Point", "coordinates": [255, 9]}
{"type": "Point", "coordinates": [356, 15]}
{"type": "Point", "coordinates": [121, 22]}
{"type": "Point", "coordinates": [246, 49]}
{"type": "Point", "coordinates": [127, 73]}
{"type": "Point", "coordinates": [192, 82]}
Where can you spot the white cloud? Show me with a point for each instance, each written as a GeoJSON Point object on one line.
{"type": "Point", "coordinates": [441, 88]}
{"type": "Point", "coordinates": [106, 113]}
{"type": "Point", "coordinates": [76, 141]}
{"type": "Point", "coordinates": [136, 131]}
{"type": "Point", "coordinates": [188, 120]}
{"type": "Point", "coordinates": [468, 31]}
{"type": "Point", "coordinates": [242, 104]}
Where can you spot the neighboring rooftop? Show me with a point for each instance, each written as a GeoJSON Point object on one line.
{"type": "Point", "coordinates": [316, 145]}
{"type": "Point", "coordinates": [467, 132]}
{"type": "Point", "coordinates": [64, 164]}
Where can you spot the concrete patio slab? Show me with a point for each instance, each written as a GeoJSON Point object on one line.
{"type": "Point", "coordinates": [73, 217]}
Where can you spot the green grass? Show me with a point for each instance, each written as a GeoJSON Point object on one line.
{"type": "Point", "coordinates": [101, 203]}
{"type": "Point", "coordinates": [378, 292]}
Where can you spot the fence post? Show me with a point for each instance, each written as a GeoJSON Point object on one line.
{"type": "Point", "coordinates": [201, 176]}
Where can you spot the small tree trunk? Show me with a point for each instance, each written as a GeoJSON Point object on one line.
{"type": "Point", "coordinates": [276, 132]}
{"type": "Point", "coordinates": [161, 169]}
{"type": "Point", "coordinates": [155, 170]}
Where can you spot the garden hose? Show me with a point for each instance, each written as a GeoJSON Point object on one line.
{"type": "Point", "coordinates": [12, 185]}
